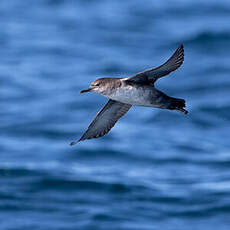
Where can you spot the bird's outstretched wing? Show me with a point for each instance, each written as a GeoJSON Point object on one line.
{"type": "Point", "coordinates": [151, 75]}
{"type": "Point", "coordinates": [105, 120]}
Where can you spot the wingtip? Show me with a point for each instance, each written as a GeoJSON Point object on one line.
{"type": "Point", "coordinates": [181, 49]}
{"type": "Point", "coordinates": [181, 46]}
{"type": "Point", "coordinates": [180, 54]}
{"type": "Point", "coordinates": [73, 143]}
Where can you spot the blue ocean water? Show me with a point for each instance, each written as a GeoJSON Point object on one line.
{"type": "Point", "coordinates": [156, 169]}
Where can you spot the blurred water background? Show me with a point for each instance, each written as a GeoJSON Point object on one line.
{"type": "Point", "coordinates": [156, 169]}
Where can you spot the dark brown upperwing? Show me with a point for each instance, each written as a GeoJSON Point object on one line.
{"type": "Point", "coordinates": [151, 75]}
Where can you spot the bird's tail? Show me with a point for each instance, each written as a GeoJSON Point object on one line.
{"type": "Point", "coordinates": [177, 104]}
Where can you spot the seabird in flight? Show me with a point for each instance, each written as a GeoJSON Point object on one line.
{"type": "Point", "coordinates": [136, 90]}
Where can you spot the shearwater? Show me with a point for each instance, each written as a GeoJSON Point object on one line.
{"type": "Point", "coordinates": [136, 90]}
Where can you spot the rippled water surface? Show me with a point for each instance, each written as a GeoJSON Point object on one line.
{"type": "Point", "coordinates": [156, 169]}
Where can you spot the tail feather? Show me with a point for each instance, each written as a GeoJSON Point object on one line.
{"type": "Point", "coordinates": [177, 104]}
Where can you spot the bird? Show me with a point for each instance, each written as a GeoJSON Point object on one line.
{"type": "Point", "coordinates": [138, 90]}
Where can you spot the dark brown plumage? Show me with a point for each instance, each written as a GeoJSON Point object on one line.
{"type": "Point", "coordinates": [136, 90]}
{"type": "Point", "coordinates": [150, 76]}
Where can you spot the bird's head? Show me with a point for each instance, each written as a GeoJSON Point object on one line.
{"type": "Point", "coordinates": [98, 86]}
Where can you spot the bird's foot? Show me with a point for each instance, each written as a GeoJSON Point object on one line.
{"type": "Point", "coordinates": [182, 110]}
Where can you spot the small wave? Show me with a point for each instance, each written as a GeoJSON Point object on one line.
{"type": "Point", "coordinates": [81, 185]}
{"type": "Point", "coordinates": [205, 37]}
{"type": "Point", "coordinates": [19, 172]}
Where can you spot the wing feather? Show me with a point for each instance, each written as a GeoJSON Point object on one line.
{"type": "Point", "coordinates": [105, 120]}
{"type": "Point", "coordinates": [151, 75]}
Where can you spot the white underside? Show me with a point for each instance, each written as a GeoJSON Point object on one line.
{"type": "Point", "coordinates": [131, 95]}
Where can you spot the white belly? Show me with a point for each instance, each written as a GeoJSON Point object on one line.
{"type": "Point", "coordinates": [130, 95]}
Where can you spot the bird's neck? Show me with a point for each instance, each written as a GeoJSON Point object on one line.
{"type": "Point", "coordinates": [111, 86]}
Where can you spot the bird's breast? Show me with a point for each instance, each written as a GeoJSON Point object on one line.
{"type": "Point", "coordinates": [132, 95]}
